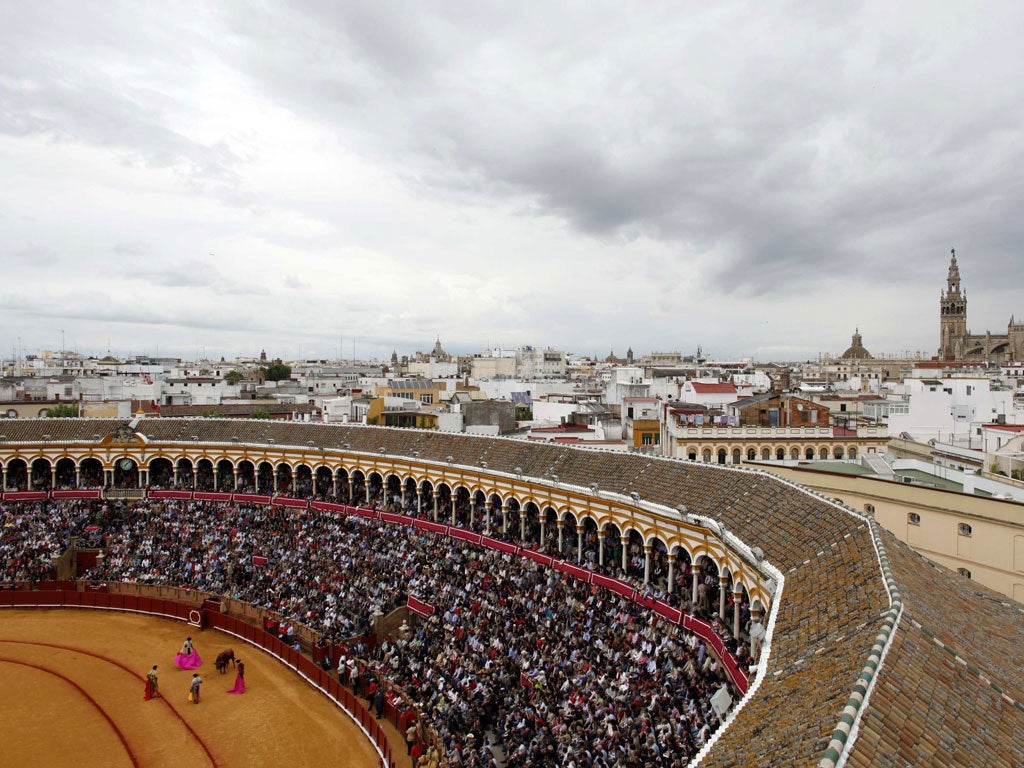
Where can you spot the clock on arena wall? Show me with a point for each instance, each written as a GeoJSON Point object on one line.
{"type": "Point", "coordinates": [126, 464]}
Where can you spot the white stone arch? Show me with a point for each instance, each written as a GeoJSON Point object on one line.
{"type": "Point", "coordinates": [715, 557]}
{"type": "Point", "coordinates": [632, 527]}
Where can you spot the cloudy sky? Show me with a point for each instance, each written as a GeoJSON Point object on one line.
{"type": "Point", "coordinates": [755, 178]}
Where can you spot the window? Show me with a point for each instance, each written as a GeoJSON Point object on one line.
{"type": "Point", "coordinates": [913, 518]}
{"type": "Point", "coordinates": [427, 399]}
{"type": "Point", "coordinates": [751, 454]}
{"type": "Point", "coordinates": [964, 529]}
{"type": "Point", "coordinates": [766, 454]}
{"type": "Point", "coordinates": [780, 454]}
{"type": "Point", "coordinates": [647, 439]}
{"type": "Point", "coordinates": [692, 455]}
{"type": "Point", "coordinates": [964, 572]}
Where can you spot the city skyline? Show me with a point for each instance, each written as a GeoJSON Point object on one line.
{"type": "Point", "coordinates": [756, 181]}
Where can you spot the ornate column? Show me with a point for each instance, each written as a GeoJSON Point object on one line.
{"type": "Point", "coordinates": [671, 574]}
{"type": "Point", "coordinates": [542, 520]}
{"type": "Point", "coordinates": [600, 545]}
{"type": "Point", "coordinates": [522, 525]}
{"type": "Point", "coordinates": [561, 527]}
{"type": "Point", "coordinates": [579, 542]}
{"type": "Point", "coordinates": [723, 584]}
{"type": "Point", "coordinates": [351, 490]}
{"type": "Point", "coordinates": [487, 513]}
{"type": "Point", "coordinates": [453, 508]}
{"type": "Point", "coordinates": [419, 501]}
{"type": "Point", "coordinates": [236, 472]}
{"type": "Point", "coordinates": [504, 518]}
{"type": "Point", "coordinates": [737, 596]}
{"type": "Point", "coordinates": [624, 540]}
{"type": "Point", "coordinates": [696, 579]}
{"type": "Point", "coordinates": [433, 493]}
{"type": "Point", "coordinates": [276, 475]}
{"type": "Point", "coordinates": [647, 564]}
{"type": "Point", "coordinates": [78, 477]}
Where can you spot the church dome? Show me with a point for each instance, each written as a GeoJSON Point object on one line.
{"type": "Point", "coordinates": [856, 350]}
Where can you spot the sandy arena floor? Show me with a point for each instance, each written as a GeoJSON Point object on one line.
{"type": "Point", "coordinates": [72, 684]}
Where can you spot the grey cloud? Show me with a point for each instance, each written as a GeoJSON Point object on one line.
{"type": "Point", "coordinates": [132, 249]}
{"type": "Point", "coordinates": [82, 76]}
{"type": "Point", "coordinates": [821, 143]}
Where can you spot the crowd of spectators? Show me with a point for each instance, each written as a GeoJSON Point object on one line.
{"type": "Point", "coordinates": [34, 533]}
{"type": "Point", "coordinates": [561, 672]}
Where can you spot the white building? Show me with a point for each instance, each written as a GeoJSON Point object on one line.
{"type": "Point", "coordinates": [99, 388]}
{"type": "Point", "coordinates": [433, 368]}
{"type": "Point", "coordinates": [534, 363]}
{"type": "Point", "coordinates": [494, 363]}
{"type": "Point", "coordinates": [624, 382]}
{"type": "Point", "coordinates": [196, 391]}
{"type": "Point", "coordinates": [711, 394]}
{"type": "Point", "coordinates": [950, 410]}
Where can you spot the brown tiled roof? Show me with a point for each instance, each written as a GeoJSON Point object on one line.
{"type": "Point", "coordinates": [931, 704]}
{"type": "Point", "coordinates": [33, 430]}
{"type": "Point", "coordinates": [952, 688]}
{"type": "Point", "coordinates": [233, 409]}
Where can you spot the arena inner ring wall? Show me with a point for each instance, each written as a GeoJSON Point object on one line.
{"type": "Point", "coordinates": [831, 629]}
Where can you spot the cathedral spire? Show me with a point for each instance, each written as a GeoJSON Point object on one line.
{"type": "Point", "coordinates": [953, 277]}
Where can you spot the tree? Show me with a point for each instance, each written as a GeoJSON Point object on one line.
{"type": "Point", "coordinates": [233, 377]}
{"type": "Point", "coordinates": [277, 372]}
{"type": "Point", "coordinates": [259, 413]}
{"type": "Point", "coordinates": [62, 411]}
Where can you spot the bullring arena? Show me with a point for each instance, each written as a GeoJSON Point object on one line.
{"type": "Point", "coordinates": [572, 607]}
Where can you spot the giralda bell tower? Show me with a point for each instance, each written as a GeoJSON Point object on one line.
{"type": "Point", "coordinates": [952, 314]}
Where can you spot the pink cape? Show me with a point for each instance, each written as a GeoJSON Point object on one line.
{"type": "Point", "coordinates": [239, 685]}
{"type": "Point", "coordinates": [188, 661]}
